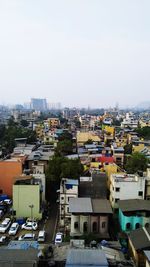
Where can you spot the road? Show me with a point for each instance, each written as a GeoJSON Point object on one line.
{"type": "Point", "coordinates": [51, 223]}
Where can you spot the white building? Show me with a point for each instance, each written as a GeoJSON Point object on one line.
{"type": "Point", "coordinates": [147, 186]}
{"type": "Point", "coordinates": [126, 186]}
{"type": "Point", "coordinates": [68, 189]}
{"type": "Point", "coordinates": [129, 121]}
{"type": "Point", "coordinates": [90, 216]}
{"type": "Point", "coordinates": [38, 173]}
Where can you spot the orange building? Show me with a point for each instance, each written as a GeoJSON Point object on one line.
{"type": "Point", "coordinates": [9, 170]}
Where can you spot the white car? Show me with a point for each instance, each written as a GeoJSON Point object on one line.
{"type": "Point", "coordinates": [58, 238]}
{"type": "Point", "coordinates": [26, 237]}
{"type": "Point", "coordinates": [30, 226]}
{"type": "Point", "coordinates": [8, 201]}
{"type": "Point", "coordinates": [3, 238]}
{"type": "Point", "coordinates": [5, 225]}
{"type": "Point", "coordinates": [41, 236]}
{"type": "Point", "coordinates": [13, 229]}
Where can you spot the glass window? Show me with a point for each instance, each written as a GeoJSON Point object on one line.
{"type": "Point", "coordinates": [76, 225]}
{"type": "Point", "coordinates": [103, 224]}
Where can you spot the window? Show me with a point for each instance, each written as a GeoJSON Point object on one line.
{"type": "Point", "coordinates": [140, 193]}
{"type": "Point", "coordinates": [137, 226]}
{"type": "Point", "coordinates": [1, 191]}
{"type": "Point", "coordinates": [76, 225]}
{"type": "Point", "coordinates": [94, 227]}
{"type": "Point", "coordinates": [117, 189]}
{"type": "Point", "coordinates": [128, 226]}
{"type": "Point", "coordinates": [67, 209]}
{"type": "Point", "coordinates": [62, 208]}
{"type": "Point", "coordinates": [62, 198]}
{"type": "Point", "coordinates": [85, 227]}
{"type": "Point", "coordinates": [103, 224]}
{"type": "Point", "coordinates": [116, 200]}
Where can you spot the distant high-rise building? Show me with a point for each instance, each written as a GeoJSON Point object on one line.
{"type": "Point", "coordinates": [39, 104]}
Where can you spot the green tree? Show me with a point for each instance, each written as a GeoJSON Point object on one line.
{"type": "Point", "coordinates": [144, 132]}
{"type": "Point", "coordinates": [60, 167]}
{"type": "Point", "coordinates": [64, 148]}
{"type": "Point", "coordinates": [24, 123]}
{"type": "Point", "coordinates": [128, 149]}
{"type": "Point", "coordinates": [136, 162]}
{"type": "Point", "coordinates": [89, 142]}
{"type": "Point", "coordinates": [12, 131]}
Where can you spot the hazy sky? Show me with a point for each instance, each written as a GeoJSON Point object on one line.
{"type": "Point", "coordinates": [77, 52]}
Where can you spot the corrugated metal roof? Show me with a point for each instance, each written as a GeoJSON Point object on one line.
{"type": "Point", "coordinates": [140, 238]}
{"type": "Point", "coordinates": [101, 206]}
{"type": "Point", "coordinates": [134, 205]}
{"type": "Point", "coordinates": [80, 205]}
{"type": "Point", "coordinates": [86, 257]}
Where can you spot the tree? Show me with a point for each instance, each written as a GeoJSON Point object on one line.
{"type": "Point", "coordinates": [64, 148]}
{"type": "Point", "coordinates": [65, 136]}
{"type": "Point", "coordinates": [89, 142]}
{"type": "Point", "coordinates": [128, 149]}
{"type": "Point", "coordinates": [136, 162]}
{"type": "Point", "coordinates": [144, 132]}
{"type": "Point", "coordinates": [12, 131]}
{"type": "Point", "coordinates": [24, 123]}
{"type": "Point", "coordinates": [60, 167]}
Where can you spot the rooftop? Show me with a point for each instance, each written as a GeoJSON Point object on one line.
{"type": "Point", "coordinates": [140, 238]}
{"type": "Point", "coordinates": [80, 257]}
{"type": "Point", "coordinates": [88, 205]}
{"type": "Point", "coordinates": [82, 205]}
{"type": "Point", "coordinates": [125, 177]}
{"type": "Point", "coordinates": [134, 205]}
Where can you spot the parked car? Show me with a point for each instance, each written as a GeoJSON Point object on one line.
{"type": "Point", "coordinates": [30, 226]}
{"type": "Point", "coordinates": [3, 239]}
{"type": "Point", "coordinates": [8, 201]}
{"type": "Point", "coordinates": [3, 207]}
{"type": "Point", "coordinates": [58, 238]}
{"type": "Point", "coordinates": [31, 220]}
{"type": "Point", "coordinates": [26, 237]}
{"type": "Point", "coordinates": [5, 225]}
{"type": "Point", "coordinates": [13, 229]}
{"type": "Point", "coordinates": [41, 236]}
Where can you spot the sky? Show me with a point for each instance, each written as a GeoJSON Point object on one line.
{"type": "Point", "coordinates": [78, 52]}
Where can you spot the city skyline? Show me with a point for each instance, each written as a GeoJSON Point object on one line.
{"type": "Point", "coordinates": [79, 53]}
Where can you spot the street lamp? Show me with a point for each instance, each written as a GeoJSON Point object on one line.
{"type": "Point", "coordinates": [31, 207]}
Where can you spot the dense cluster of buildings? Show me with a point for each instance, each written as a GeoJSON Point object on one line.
{"type": "Point", "coordinates": [105, 203]}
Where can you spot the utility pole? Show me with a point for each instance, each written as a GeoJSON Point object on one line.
{"type": "Point", "coordinates": [31, 207]}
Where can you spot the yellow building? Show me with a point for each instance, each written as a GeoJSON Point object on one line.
{"type": "Point", "coordinates": [53, 122]}
{"type": "Point", "coordinates": [25, 194]}
{"type": "Point", "coordinates": [83, 137]}
{"type": "Point", "coordinates": [138, 147]}
{"type": "Point", "coordinates": [144, 123]}
{"type": "Point", "coordinates": [39, 129]}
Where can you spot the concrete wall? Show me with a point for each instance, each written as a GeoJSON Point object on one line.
{"type": "Point", "coordinates": [23, 196]}
{"type": "Point", "coordinates": [133, 220]}
{"type": "Point", "coordinates": [128, 190]}
{"type": "Point", "coordinates": [90, 220]}
{"type": "Point", "coordinates": [9, 170]}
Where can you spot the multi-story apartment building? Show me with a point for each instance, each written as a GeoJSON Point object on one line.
{"type": "Point", "coordinates": [126, 186]}
{"type": "Point", "coordinates": [68, 189]}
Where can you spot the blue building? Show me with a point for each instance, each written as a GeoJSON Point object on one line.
{"type": "Point", "coordinates": [133, 214]}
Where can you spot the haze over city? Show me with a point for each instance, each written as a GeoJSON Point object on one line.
{"type": "Point", "coordinates": [75, 52]}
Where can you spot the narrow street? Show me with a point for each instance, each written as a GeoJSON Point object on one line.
{"type": "Point", "coordinates": [51, 223]}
